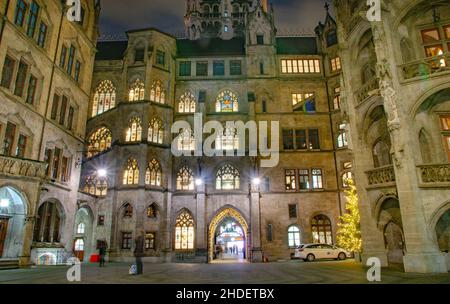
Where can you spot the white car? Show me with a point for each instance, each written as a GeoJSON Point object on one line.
{"type": "Point", "coordinates": [311, 252]}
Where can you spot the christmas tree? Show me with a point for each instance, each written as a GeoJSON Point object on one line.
{"type": "Point", "coordinates": [349, 233]}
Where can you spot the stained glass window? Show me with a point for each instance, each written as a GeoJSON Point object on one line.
{"type": "Point", "coordinates": [131, 173]}
{"type": "Point", "coordinates": [185, 179]}
{"type": "Point", "coordinates": [96, 185]}
{"type": "Point", "coordinates": [186, 141]}
{"type": "Point", "coordinates": [156, 131]}
{"type": "Point", "coordinates": [151, 211]}
{"type": "Point", "coordinates": [187, 103]}
{"type": "Point", "coordinates": [184, 231]}
{"type": "Point", "coordinates": [134, 132]}
{"type": "Point", "coordinates": [137, 90]}
{"type": "Point", "coordinates": [104, 98]}
{"type": "Point", "coordinates": [228, 140]}
{"type": "Point", "coordinates": [99, 141]}
{"type": "Point", "coordinates": [227, 102]}
{"type": "Point", "coordinates": [157, 93]}
{"type": "Point", "coordinates": [153, 175]}
{"type": "Point", "coordinates": [321, 230]}
{"type": "Point", "coordinates": [228, 178]}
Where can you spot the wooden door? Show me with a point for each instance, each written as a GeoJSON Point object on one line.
{"type": "Point", "coordinates": [3, 230]}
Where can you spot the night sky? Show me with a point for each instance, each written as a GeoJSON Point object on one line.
{"type": "Point", "coordinates": [118, 16]}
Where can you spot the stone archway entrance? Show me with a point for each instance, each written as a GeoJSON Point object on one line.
{"type": "Point", "coordinates": [228, 237]}
{"type": "Point", "coordinates": [82, 243]}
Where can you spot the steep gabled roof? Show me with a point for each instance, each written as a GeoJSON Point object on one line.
{"type": "Point", "coordinates": [111, 50]}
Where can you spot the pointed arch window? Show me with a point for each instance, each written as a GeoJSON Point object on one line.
{"type": "Point", "coordinates": [134, 132]}
{"type": "Point", "coordinates": [229, 140]}
{"type": "Point", "coordinates": [151, 211]}
{"type": "Point", "coordinates": [186, 141]}
{"type": "Point", "coordinates": [131, 173]}
{"type": "Point", "coordinates": [227, 101]}
{"type": "Point", "coordinates": [99, 141]}
{"type": "Point", "coordinates": [184, 231]}
{"type": "Point", "coordinates": [381, 154]}
{"type": "Point", "coordinates": [156, 131]}
{"type": "Point", "coordinates": [228, 178]}
{"type": "Point", "coordinates": [153, 175]}
{"type": "Point", "coordinates": [157, 93]}
{"type": "Point", "coordinates": [127, 210]}
{"type": "Point", "coordinates": [321, 230]}
{"type": "Point", "coordinates": [104, 98]}
{"type": "Point", "coordinates": [185, 179]}
{"type": "Point", "coordinates": [96, 185]}
{"type": "Point", "coordinates": [187, 103]}
{"type": "Point", "coordinates": [137, 90]}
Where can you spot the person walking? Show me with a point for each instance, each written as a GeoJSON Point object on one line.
{"type": "Point", "coordinates": [138, 253]}
{"type": "Point", "coordinates": [102, 253]}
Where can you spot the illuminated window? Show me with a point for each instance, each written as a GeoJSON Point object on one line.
{"type": "Point", "coordinates": [186, 141]}
{"type": "Point", "coordinates": [137, 90]}
{"type": "Point", "coordinates": [104, 98]}
{"type": "Point", "coordinates": [134, 132]}
{"type": "Point", "coordinates": [293, 236]}
{"type": "Point", "coordinates": [321, 230]}
{"type": "Point", "coordinates": [184, 231]}
{"type": "Point", "coordinates": [127, 210]}
{"type": "Point", "coordinates": [156, 131]}
{"type": "Point", "coordinates": [342, 137]}
{"type": "Point", "coordinates": [445, 124]}
{"type": "Point", "coordinates": [99, 141]}
{"type": "Point", "coordinates": [300, 66]}
{"type": "Point", "coordinates": [127, 239]}
{"type": "Point", "coordinates": [153, 175]}
{"type": "Point", "coordinates": [434, 41]}
{"type": "Point", "coordinates": [228, 140]}
{"type": "Point", "coordinates": [345, 178]}
{"type": "Point", "coordinates": [187, 103]}
{"type": "Point", "coordinates": [335, 64]}
{"type": "Point", "coordinates": [303, 179]}
{"type": "Point", "coordinates": [157, 93]}
{"type": "Point", "coordinates": [79, 245]}
{"type": "Point", "coordinates": [131, 173]}
{"type": "Point", "coordinates": [317, 178]}
{"type": "Point", "coordinates": [151, 211]}
{"type": "Point", "coordinates": [227, 102]}
{"type": "Point", "coordinates": [290, 180]}
{"type": "Point", "coordinates": [185, 179]}
{"type": "Point", "coordinates": [150, 240]}
{"type": "Point", "coordinates": [337, 98]}
{"type": "Point", "coordinates": [228, 178]}
{"type": "Point", "coordinates": [96, 185]}
{"type": "Point", "coordinates": [300, 97]}
{"type": "Point", "coordinates": [81, 229]}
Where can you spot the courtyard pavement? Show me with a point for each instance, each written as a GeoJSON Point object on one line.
{"type": "Point", "coordinates": [288, 272]}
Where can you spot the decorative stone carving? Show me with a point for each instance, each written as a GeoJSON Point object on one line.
{"type": "Point", "coordinates": [435, 173]}
{"type": "Point", "coordinates": [381, 176]}
{"type": "Point", "coordinates": [22, 167]}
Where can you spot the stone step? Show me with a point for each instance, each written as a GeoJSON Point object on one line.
{"type": "Point", "coordinates": [9, 264]}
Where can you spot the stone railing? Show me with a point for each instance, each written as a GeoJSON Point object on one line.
{"type": "Point", "coordinates": [382, 176]}
{"type": "Point", "coordinates": [22, 167]}
{"type": "Point", "coordinates": [426, 67]}
{"type": "Point", "coordinates": [367, 90]}
{"type": "Point", "coordinates": [435, 175]}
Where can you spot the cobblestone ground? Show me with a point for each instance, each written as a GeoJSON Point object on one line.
{"type": "Point", "coordinates": [290, 272]}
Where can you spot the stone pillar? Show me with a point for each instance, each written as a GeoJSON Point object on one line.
{"type": "Point", "coordinates": [255, 224]}
{"type": "Point", "coordinates": [201, 224]}
{"type": "Point", "coordinates": [166, 235]}
{"type": "Point", "coordinates": [24, 258]}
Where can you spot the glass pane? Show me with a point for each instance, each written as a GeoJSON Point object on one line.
{"type": "Point", "coordinates": [431, 35]}
{"type": "Point", "coordinates": [434, 50]}
{"type": "Point", "coordinates": [447, 32]}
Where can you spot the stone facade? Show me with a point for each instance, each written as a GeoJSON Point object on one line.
{"type": "Point", "coordinates": [397, 97]}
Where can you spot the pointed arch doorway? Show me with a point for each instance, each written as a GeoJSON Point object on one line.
{"type": "Point", "coordinates": [228, 237]}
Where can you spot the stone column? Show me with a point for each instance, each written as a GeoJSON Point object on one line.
{"type": "Point", "coordinates": [201, 224]}
{"type": "Point", "coordinates": [255, 224]}
{"type": "Point", "coordinates": [24, 258]}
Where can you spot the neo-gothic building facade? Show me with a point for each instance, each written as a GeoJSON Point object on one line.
{"type": "Point", "coordinates": [86, 155]}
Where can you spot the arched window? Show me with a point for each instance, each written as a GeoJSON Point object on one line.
{"type": "Point", "coordinates": [185, 179]}
{"type": "Point", "coordinates": [127, 210]}
{"type": "Point", "coordinates": [151, 211]}
{"type": "Point", "coordinates": [137, 90]}
{"type": "Point", "coordinates": [81, 229]}
{"type": "Point", "coordinates": [228, 178]}
{"type": "Point", "coordinates": [96, 185]}
{"type": "Point", "coordinates": [346, 177]}
{"type": "Point", "coordinates": [99, 141]}
{"type": "Point", "coordinates": [153, 175]}
{"type": "Point", "coordinates": [186, 141]}
{"type": "Point", "coordinates": [48, 224]}
{"type": "Point", "coordinates": [79, 245]}
{"type": "Point", "coordinates": [134, 132]}
{"type": "Point", "coordinates": [321, 230]}
{"type": "Point", "coordinates": [381, 155]}
{"type": "Point", "coordinates": [187, 103]}
{"type": "Point", "coordinates": [184, 231]}
{"type": "Point", "coordinates": [131, 174]}
{"type": "Point", "coordinates": [104, 98]}
{"type": "Point", "coordinates": [227, 102]}
{"type": "Point", "coordinates": [156, 131]}
{"type": "Point", "coordinates": [228, 141]}
{"type": "Point", "coordinates": [293, 236]}
{"type": "Point", "coordinates": [157, 93]}
{"type": "Point", "coordinates": [342, 137]}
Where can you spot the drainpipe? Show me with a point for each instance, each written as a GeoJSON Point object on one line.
{"type": "Point", "coordinates": [5, 17]}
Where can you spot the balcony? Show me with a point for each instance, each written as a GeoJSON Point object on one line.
{"type": "Point", "coordinates": [22, 167]}
{"type": "Point", "coordinates": [434, 176]}
{"type": "Point", "coordinates": [368, 90]}
{"type": "Point", "coordinates": [381, 177]}
{"type": "Point", "coordinates": [426, 68]}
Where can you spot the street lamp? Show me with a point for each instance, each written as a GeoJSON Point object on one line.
{"type": "Point", "coordinates": [102, 173]}
{"type": "Point", "coordinates": [198, 182]}
{"type": "Point", "coordinates": [256, 181]}
{"type": "Point", "coordinates": [4, 203]}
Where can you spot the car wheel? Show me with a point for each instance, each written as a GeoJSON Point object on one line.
{"type": "Point", "coordinates": [310, 257]}
{"type": "Point", "coordinates": [342, 256]}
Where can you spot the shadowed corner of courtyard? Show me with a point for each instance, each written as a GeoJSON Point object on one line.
{"type": "Point", "coordinates": [287, 272]}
